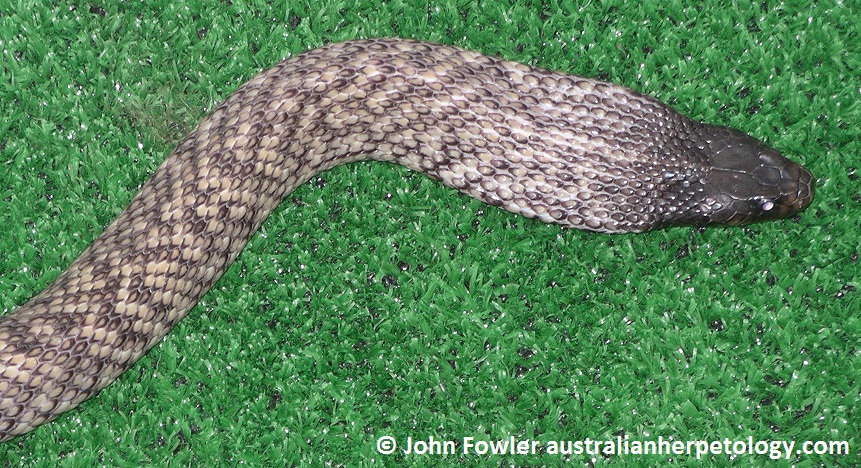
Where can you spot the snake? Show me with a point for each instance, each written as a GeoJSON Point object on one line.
{"type": "Point", "coordinates": [563, 149]}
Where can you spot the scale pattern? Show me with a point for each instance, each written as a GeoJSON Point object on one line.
{"type": "Point", "coordinates": [560, 148]}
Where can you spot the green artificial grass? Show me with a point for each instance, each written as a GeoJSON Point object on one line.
{"type": "Point", "coordinates": [376, 302]}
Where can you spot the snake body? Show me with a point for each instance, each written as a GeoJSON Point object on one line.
{"type": "Point", "coordinates": [564, 149]}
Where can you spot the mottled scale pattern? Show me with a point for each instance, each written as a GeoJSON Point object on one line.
{"type": "Point", "coordinates": [560, 148]}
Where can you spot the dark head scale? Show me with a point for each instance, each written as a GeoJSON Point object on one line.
{"type": "Point", "coordinates": [748, 181]}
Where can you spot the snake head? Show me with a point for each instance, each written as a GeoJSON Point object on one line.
{"type": "Point", "coordinates": [747, 181]}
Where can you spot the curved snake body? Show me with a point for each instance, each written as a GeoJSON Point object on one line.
{"type": "Point", "coordinates": [563, 149]}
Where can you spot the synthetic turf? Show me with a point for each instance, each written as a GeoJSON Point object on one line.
{"type": "Point", "coordinates": [377, 302]}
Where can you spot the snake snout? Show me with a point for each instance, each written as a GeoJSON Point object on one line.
{"type": "Point", "coordinates": [750, 182]}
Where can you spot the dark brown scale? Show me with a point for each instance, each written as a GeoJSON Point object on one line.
{"type": "Point", "coordinates": [564, 149]}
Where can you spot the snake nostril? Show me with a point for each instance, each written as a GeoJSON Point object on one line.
{"type": "Point", "coordinates": [804, 189]}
